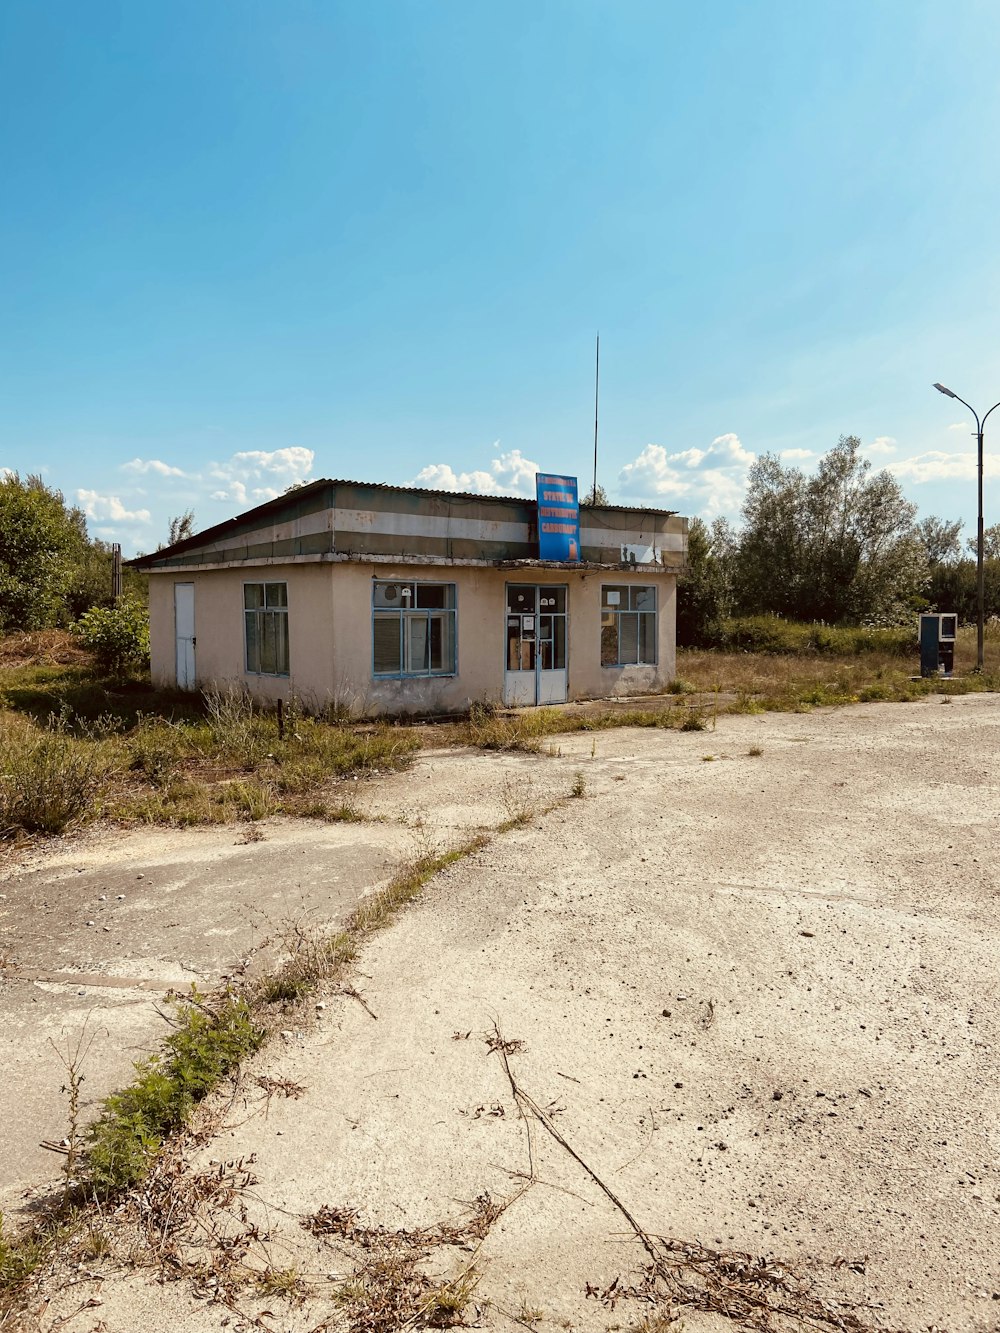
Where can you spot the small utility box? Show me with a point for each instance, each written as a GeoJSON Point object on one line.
{"type": "Point", "coordinates": [937, 644]}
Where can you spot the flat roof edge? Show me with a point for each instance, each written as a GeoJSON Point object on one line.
{"type": "Point", "coordinates": [290, 498]}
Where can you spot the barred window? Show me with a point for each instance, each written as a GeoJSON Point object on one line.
{"type": "Point", "coordinates": [628, 625]}
{"type": "Point", "coordinates": [413, 629]}
{"type": "Point", "coordinates": [265, 622]}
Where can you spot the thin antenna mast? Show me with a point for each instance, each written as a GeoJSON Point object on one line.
{"type": "Point", "coordinates": [597, 390]}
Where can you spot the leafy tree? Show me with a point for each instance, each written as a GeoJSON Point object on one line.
{"type": "Point", "coordinates": [953, 587]}
{"type": "Point", "coordinates": [941, 540]}
{"type": "Point", "coordinates": [597, 495]}
{"type": "Point", "coordinates": [839, 546]}
{"type": "Point", "coordinates": [39, 540]}
{"type": "Point", "coordinates": [991, 543]}
{"type": "Point", "coordinates": [181, 528]}
{"type": "Point", "coordinates": [703, 591]}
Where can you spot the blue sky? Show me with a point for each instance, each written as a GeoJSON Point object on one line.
{"type": "Point", "coordinates": [243, 244]}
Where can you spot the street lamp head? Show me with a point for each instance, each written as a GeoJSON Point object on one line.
{"type": "Point", "coordinates": [941, 389]}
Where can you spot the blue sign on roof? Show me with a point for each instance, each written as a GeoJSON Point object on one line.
{"type": "Point", "coordinates": [558, 517]}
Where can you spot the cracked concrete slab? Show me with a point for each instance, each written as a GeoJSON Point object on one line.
{"type": "Point", "coordinates": [754, 974]}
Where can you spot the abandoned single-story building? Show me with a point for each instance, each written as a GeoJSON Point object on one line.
{"type": "Point", "coordinates": [398, 600]}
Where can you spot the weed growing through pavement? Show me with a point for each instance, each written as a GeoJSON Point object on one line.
{"type": "Point", "coordinates": [660, 1321]}
{"type": "Point", "coordinates": [378, 909]}
{"type": "Point", "coordinates": [517, 799]}
{"type": "Point", "coordinates": [282, 1282]}
{"type": "Point", "coordinates": [73, 1059]}
{"type": "Point", "coordinates": [693, 720]}
{"type": "Point", "coordinates": [389, 1289]}
{"type": "Point", "coordinates": [529, 1314]}
{"type": "Point", "coordinates": [208, 1042]}
{"type": "Point", "coordinates": [579, 787]}
{"type": "Point", "coordinates": [128, 1144]}
{"type": "Point", "coordinates": [20, 1256]}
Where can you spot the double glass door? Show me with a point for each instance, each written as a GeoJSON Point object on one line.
{"type": "Point", "coordinates": [535, 645]}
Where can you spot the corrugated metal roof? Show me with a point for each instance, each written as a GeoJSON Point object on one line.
{"type": "Point", "coordinates": [291, 497]}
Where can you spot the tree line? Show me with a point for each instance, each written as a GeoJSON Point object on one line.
{"type": "Point", "coordinates": [841, 546]}
{"type": "Point", "coordinates": [51, 570]}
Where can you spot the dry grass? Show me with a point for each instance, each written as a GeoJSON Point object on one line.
{"type": "Point", "coordinates": [378, 909]}
{"type": "Point", "coordinates": [712, 682]}
{"type": "Point", "coordinates": [41, 647]}
{"type": "Point", "coordinates": [74, 748]}
{"type": "Point", "coordinates": [135, 755]}
{"type": "Point", "coordinates": [389, 1290]}
{"type": "Point", "coordinates": [788, 681]}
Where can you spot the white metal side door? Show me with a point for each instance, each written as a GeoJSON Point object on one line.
{"type": "Point", "coordinates": [184, 634]}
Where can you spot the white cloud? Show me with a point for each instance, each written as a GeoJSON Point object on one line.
{"type": "Point", "coordinates": [236, 491]}
{"type": "Point", "coordinates": [962, 425]}
{"type": "Point", "coordinates": [442, 477]}
{"type": "Point", "coordinates": [797, 455]}
{"type": "Point", "coordinates": [935, 465]}
{"type": "Point", "coordinates": [141, 466]}
{"type": "Point", "coordinates": [273, 470]}
{"type": "Point", "coordinates": [711, 481]}
{"type": "Point", "coordinates": [105, 507]}
{"type": "Point", "coordinates": [510, 474]}
{"type": "Point", "coordinates": [882, 444]}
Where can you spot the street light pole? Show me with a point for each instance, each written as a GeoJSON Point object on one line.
{"type": "Point", "coordinates": [980, 581]}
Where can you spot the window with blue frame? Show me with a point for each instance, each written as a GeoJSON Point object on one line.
{"type": "Point", "coordinates": [413, 628]}
{"type": "Point", "coordinates": [628, 625]}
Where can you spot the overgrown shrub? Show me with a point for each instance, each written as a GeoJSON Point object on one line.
{"type": "Point", "coordinates": [48, 778]}
{"type": "Point", "coordinates": [774, 634]}
{"type": "Point", "coordinates": [118, 636]}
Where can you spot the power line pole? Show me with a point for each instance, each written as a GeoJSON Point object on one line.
{"type": "Point", "coordinates": [597, 390]}
{"type": "Point", "coordinates": [116, 572]}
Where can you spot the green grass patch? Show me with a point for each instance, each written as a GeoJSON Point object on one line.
{"type": "Point", "coordinates": [206, 1045]}
{"type": "Point", "coordinates": [20, 1256]}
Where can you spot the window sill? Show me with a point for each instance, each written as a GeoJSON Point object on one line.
{"type": "Point", "coordinates": [422, 675]}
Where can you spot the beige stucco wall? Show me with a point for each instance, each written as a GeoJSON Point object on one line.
{"type": "Point", "coordinates": [218, 626]}
{"type": "Point", "coordinates": [329, 626]}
